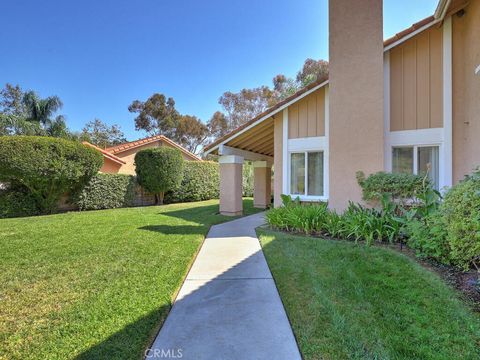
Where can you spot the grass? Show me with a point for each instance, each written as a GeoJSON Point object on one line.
{"type": "Point", "coordinates": [355, 302]}
{"type": "Point", "coordinates": [95, 285]}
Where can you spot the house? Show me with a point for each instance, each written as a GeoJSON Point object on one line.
{"type": "Point", "coordinates": [406, 104]}
{"type": "Point", "coordinates": [120, 159]}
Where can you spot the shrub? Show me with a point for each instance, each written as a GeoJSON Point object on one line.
{"type": "Point", "coordinates": [47, 167]}
{"type": "Point", "coordinates": [201, 181]}
{"type": "Point", "coordinates": [402, 187]}
{"type": "Point", "coordinates": [247, 179]}
{"type": "Point", "coordinates": [356, 223]}
{"type": "Point", "coordinates": [107, 191]}
{"type": "Point", "coordinates": [460, 213]}
{"type": "Point", "coordinates": [17, 201]}
{"type": "Point", "coordinates": [159, 170]}
{"type": "Point", "coordinates": [450, 233]}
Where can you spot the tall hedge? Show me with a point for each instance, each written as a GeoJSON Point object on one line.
{"type": "Point", "coordinates": [107, 191]}
{"type": "Point", "coordinates": [159, 170]}
{"type": "Point", "coordinates": [201, 181]}
{"type": "Point", "coordinates": [48, 167]}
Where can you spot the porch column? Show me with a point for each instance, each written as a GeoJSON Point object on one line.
{"type": "Point", "coordinates": [231, 185]}
{"type": "Point", "coordinates": [262, 192]}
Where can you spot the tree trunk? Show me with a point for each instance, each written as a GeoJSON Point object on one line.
{"type": "Point", "coordinates": [160, 198]}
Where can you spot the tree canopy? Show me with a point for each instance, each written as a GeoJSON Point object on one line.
{"type": "Point", "coordinates": [99, 133]}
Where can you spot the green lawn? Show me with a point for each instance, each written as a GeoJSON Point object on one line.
{"type": "Point", "coordinates": [351, 302]}
{"type": "Point", "coordinates": [95, 284]}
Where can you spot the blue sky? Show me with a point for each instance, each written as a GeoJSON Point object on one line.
{"type": "Point", "coordinates": [100, 55]}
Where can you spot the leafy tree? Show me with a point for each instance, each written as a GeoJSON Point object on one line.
{"type": "Point", "coordinates": [46, 167]}
{"type": "Point", "coordinates": [156, 116]}
{"type": "Point", "coordinates": [102, 135]}
{"type": "Point", "coordinates": [240, 107]}
{"type": "Point", "coordinates": [191, 133]}
{"type": "Point", "coordinates": [218, 125]}
{"type": "Point", "coordinates": [159, 170]}
{"type": "Point", "coordinates": [11, 101]}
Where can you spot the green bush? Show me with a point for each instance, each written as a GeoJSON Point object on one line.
{"type": "Point", "coordinates": [356, 223]}
{"type": "Point", "coordinates": [159, 170]}
{"type": "Point", "coordinates": [16, 202]}
{"type": "Point", "coordinates": [107, 191]}
{"type": "Point", "coordinates": [402, 187]}
{"type": "Point", "coordinates": [460, 213]}
{"type": "Point", "coordinates": [201, 181]}
{"type": "Point", "coordinates": [48, 167]}
{"type": "Point", "coordinates": [247, 179]}
{"type": "Point", "coordinates": [450, 233]}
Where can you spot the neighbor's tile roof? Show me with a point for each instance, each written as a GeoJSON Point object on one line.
{"type": "Point", "coordinates": [105, 153]}
{"type": "Point", "coordinates": [134, 144]}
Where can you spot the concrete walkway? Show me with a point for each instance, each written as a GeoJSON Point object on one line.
{"type": "Point", "coordinates": [228, 307]}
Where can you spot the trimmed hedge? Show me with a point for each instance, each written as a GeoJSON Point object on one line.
{"type": "Point", "coordinates": [401, 187]}
{"type": "Point", "coordinates": [201, 181]}
{"type": "Point", "coordinates": [159, 170]}
{"type": "Point", "coordinates": [17, 202]}
{"type": "Point", "coordinates": [107, 191]}
{"type": "Point", "coordinates": [48, 167]}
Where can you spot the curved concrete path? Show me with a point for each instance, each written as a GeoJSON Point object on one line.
{"type": "Point", "coordinates": [228, 306]}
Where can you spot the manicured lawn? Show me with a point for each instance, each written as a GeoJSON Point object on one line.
{"type": "Point", "coordinates": [351, 302]}
{"type": "Point", "coordinates": [95, 284]}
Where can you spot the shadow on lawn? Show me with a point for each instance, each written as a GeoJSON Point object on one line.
{"type": "Point", "coordinates": [176, 229]}
{"type": "Point", "coordinates": [125, 344]}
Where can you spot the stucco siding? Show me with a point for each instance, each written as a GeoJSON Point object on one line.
{"type": "Point", "coordinates": [466, 91]}
{"type": "Point", "coordinates": [356, 126]}
{"type": "Point", "coordinates": [307, 116]}
{"type": "Point", "coordinates": [416, 81]}
{"type": "Point", "coordinates": [109, 166]}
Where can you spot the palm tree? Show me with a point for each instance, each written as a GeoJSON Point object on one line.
{"type": "Point", "coordinates": [39, 110]}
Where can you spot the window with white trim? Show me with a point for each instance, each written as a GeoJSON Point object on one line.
{"type": "Point", "coordinates": [306, 173]}
{"type": "Point", "coordinates": [417, 160]}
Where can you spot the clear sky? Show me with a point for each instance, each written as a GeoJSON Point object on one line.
{"type": "Point", "coordinates": [100, 55]}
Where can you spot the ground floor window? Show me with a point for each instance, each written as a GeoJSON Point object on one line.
{"type": "Point", "coordinates": [417, 160]}
{"type": "Point", "coordinates": [306, 173]}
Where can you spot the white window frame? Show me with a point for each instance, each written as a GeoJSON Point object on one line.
{"type": "Point", "coordinates": [305, 146]}
{"type": "Point", "coordinates": [416, 139]}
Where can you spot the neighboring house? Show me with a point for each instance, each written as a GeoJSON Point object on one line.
{"type": "Point", "coordinates": [406, 104]}
{"type": "Point", "coordinates": [121, 158]}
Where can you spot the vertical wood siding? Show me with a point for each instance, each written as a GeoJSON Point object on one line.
{"type": "Point", "coordinates": [416, 82]}
{"type": "Point", "coordinates": [306, 118]}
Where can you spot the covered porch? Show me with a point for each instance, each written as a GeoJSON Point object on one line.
{"type": "Point", "coordinates": [255, 142]}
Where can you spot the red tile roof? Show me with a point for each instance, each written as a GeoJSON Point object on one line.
{"type": "Point", "coordinates": [134, 144]}
{"type": "Point", "coordinates": [105, 153]}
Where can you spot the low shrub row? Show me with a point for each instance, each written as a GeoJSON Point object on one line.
{"type": "Point", "coordinates": [107, 191]}
{"type": "Point", "coordinates": [357, 223]}
{"type": "Point", "coordinates": [201, 181]}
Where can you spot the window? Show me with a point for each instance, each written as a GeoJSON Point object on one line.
{"type": "Point", "coordinates": [417, 160]}
{"type": "Point", "coordinates": [306, 173]}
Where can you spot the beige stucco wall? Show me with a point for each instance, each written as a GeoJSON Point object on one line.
{"type": "Point", "coordinates": [306, 118]}
{"type": "Point", "coordinates": [355, 96]}
{"type": "Point", "coordinates": [277, 159]}
{"type": "Point", "coordinates": [416, 82]}
{"type": "Point", "coordinates": [109, 166]}
{"type": "Point", "coordinates": [129, 157]}
{"type": "Point", "coordinates": [466, 91]}
{"type": "Point", "coordinates": [231, 189]}
{"type": "Point", "coordinates": [262, 173]}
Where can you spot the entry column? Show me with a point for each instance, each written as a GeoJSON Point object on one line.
{"type": "Point", "coordinates": [262, 184]}
{"type": "Point", "coordinates": [231, 185]}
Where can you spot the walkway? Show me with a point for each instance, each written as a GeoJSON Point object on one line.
{"type": "Point", "coordinates": [228, 307]}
